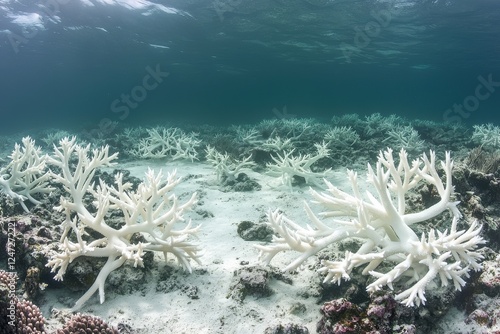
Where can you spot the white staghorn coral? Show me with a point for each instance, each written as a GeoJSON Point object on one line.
{"type": "Point", "coordinates": [226, 168]}
{"type": "Point", "coordinates": [342, 136]}
{"type": "Point", "coordinates": [286, 166]}
{"type": "Point", "coordinates": [276, 144]}
{"type": "Point", "coordinates": [487, 135]}
{"type": "Point", "coordinates": [405, 137]}
{"type": "Point", "coordinates": [151, 211]}
{"type": "Point", "coordinates": [380, 220]}
{"type": "Point", "coordinates": [25, 176]}
{"type": "Point", "coordinates": [163, 142]}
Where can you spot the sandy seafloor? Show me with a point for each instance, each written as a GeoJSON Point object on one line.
{"type": "Point", "coordinates": [148, 311]}
{"type": "Point", "coordinates": [144, 309]}
{"type": "Point", "coordinates": [224, 251]}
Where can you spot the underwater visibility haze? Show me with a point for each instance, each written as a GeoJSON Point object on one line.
{"type": "Point", "coordinates": [66, 63]}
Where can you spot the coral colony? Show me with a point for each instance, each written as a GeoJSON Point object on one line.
{"type": "Point", "coordinates": [391, 250]}
{"type": "Point", "coordinates": [25, 176]}
{"type": "Point", "coordinates": [152, 210]}
{"type": "Point", "coordinates": [381, 221]}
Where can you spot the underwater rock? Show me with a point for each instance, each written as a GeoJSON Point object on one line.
{"type": "Point", "coordinates": [480, 317]}
{"type": "Point", "coordinates": [297, 308]}
{"type": "Point", "coordinates": [81, 273]}
{"type": "Point", "coordinates": [252, 281]}
{"type": "Point", "coordinates": [489, 280]}
{"type": "Point", "coordinates": [8, 207]}
{"type": "Point", "coordinates": [204, 213]}
{"type": "Point", "coordinates": [29, 237]}
{"type": "Point", "coordinates": [287, 329]}
{"type": "Point", "coordinates": [250, 231]}
{"type": "Point", "coordinates": [342, 316]}
{"type": "Point", "coordinates": [242, 183]}
{"type": "Point", "coordinates": [167, 286]}
{"type": "Point", "coordinates": [125, 328]}
{"type": "Point", "coordinates": [126, 279]}
{"type": "Point", "coordinates": [486, 315]}
{"type": "Point", "coordinates": [479, 194]}
{"type": "Point", "coordinates": [32, 285]}
{"type": "Point", "coordinates": [191, 291]}
{"type": "Point", "coordinates": [169, 279]}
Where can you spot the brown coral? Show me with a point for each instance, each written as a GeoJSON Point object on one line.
{"type": "Point", "coordinates": [21, 317]}
{"type": "Point", "coordinates": [86, 324]}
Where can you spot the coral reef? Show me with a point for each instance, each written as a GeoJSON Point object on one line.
{"type": "Point", "coordinates": [382, 222]}
{"type": "Point", "coordinates": [398, 231]}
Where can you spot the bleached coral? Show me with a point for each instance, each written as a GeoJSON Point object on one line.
{"type": "Point", "coordinates": [53, 137]}
{"type": "Point", "coordinates": [286, 166]}
{"type": "Point", "coordinates": [276, 144]}
{"type": "Point", "coordinates": [151, 211]}
{"type": "Point", "coordinates": [226, 168]}
{"type": "Point", "coordinates": [347, 120]}
{"type": "Point", "coordinates": [164, 142]}
{"type": "Point", "coordinates": [342, 136]}
{"type": "Point", "coordinates": [405, 137]}
{"type": "Point", "coordinates": [25, 175]}
{"type": "Point", "coordinates": [376, 123]}
{"type": "Point", "coordinates": [487, 135]}
{"type": "Point", "coordinates": [380, 219]}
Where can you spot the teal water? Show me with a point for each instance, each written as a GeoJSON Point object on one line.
{"type": "Point", "coordinates": [76, 63]}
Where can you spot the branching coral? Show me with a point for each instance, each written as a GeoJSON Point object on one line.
{"type": "Point", "coordinates": [286, 166]}
{"type": "Point", "coordinates": [151, 211]}
{"type": "Point", "coordinates": [26, 175]}
{"type": "Point", "coordinates": [342, 136]}
{"type": "Point", "coordinates": [487, 135]}
{"type": "Point", "coordinates": [405, 137]}
{"type": "Point", "coordinates": [226, 168]}
{"type": "Point", "coordinates": [163, 142]}
{"type": "Point", "coordinates": [380, 220]}
{"type": "Point", "coordinates": [276, 144]}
